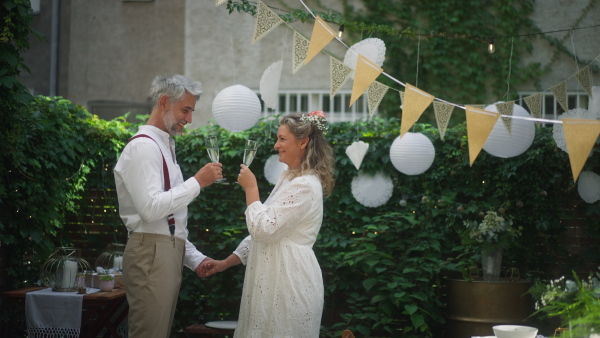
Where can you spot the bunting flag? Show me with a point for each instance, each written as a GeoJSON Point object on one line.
{"type": "Point", "coordinates": [560, 93]}
{"type": "Point", "coordinates": [365, 75]}
{"type": "Point", "coordinates": [506, 108]}
{"type": "Point", "coordinates": [415, 103]}
{"type": "Point", "coordinates": [479, 127]}
{"type": "Point", "coordinates": [443, 112]}
{"type": "Point", "coordinates": [340, 73]}
{"type": "Point", "coordinates": [584, 77]}
{"type": "Point", "coordinates": [219, 2]}
{"type": "Point", "coordinates": [266, 21]}
{"type": "Point", "coordinates": [534, 102]}
{"type": "Point", "coordinates": [401, 98]}
{"type": "Point", "coordinates": [322, 34]}
{"type": "Point", "coordinates": [375, 94]}
{"type": "Point", "coordinates": [580, 136]}
{"type": "Point", "coordinates": [300, 50]}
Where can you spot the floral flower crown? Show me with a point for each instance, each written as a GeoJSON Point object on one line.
{"type": "Point", "coordinates": [318, 118]}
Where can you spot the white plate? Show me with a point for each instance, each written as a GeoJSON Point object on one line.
{"type": "Point", "coordinates": [227, 325]}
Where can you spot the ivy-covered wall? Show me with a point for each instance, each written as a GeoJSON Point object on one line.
{"type": "Point", "coordinates": [383, 267]}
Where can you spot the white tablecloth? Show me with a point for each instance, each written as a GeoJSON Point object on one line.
{"type": "Point", "coordinates": [54, 314]}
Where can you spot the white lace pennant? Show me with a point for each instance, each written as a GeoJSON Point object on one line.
{"type": "Point", "coordinates": [443, 112]}
{"type": "Point", "coordinates": [506, 108]}
{"type": "Point", "coordinates": [340, 73]}
{"type": "Point", "coordinates": [584, 77]}
{"type": "Point", "coordinates": [375, 94]}
{"type": "Point", "coordinates": [266, 21]}
{"type": "Point", "coordinates": [300, 51]}
{"type": "Point", "coordinates": [560, 93]}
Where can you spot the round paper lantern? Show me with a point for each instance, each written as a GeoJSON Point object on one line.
{"type": "Point", "coordinates": [372, 191]}
{"type": "Point", "coordinates": [503, 144]}
{"type": "Point", "coordinates": [588, 186]}
{"type": "Point", "coordinates": [274, 168]}
{"type": "Point", "coordinates": [412, 154]}
{"type": "Point", "coordinates": [236, 108]}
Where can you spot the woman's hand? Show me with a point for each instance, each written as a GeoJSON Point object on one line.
{"type": "Point", "coordinates": [246, 178]}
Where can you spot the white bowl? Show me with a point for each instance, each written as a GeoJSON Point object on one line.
{"type": "Point", "coordinates": [514, 331]}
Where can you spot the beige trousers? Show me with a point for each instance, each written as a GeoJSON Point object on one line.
{"type": "Point", "coordinates": [152, 269]}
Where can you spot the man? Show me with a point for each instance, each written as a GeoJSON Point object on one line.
{"type": "Point", "coordinates": [153, 205]}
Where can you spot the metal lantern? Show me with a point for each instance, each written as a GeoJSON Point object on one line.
{"type": "Point", "coordinates": [64, 269]}
{"type": "Point", "coordinates": [412, 154]}
{"type": "Point", "coordinates": [503, 144]}
{"type": "Point", "coordinates": [236, 108]}
{"type": "Point", "coordinates": [112, 258]}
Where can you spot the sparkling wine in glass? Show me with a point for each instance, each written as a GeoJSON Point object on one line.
{"type": "Point", "coordinates": [212, 147]}
{"type": "Point", "coordinates": [250, 152]}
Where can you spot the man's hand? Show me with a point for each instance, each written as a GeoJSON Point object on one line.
{"type": "Point", "coordinates": [208, 174]}
{"type": "Point", "coordinates": [204, 266]}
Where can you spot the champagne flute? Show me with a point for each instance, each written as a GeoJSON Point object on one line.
{"type": "Point", "coordinates": [212, 147]}
{"type": "Point", "coordinates": [250, 152]}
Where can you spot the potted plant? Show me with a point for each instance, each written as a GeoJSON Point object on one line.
{"type": "Point", "coordinates": [107, 282]}
{"type": "Point", "coordinates": [575, 301]}
{"type": "Point", "coordinates": [491, 236]}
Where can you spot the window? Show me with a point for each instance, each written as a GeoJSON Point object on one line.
{"type": "Point", "coordinates": [337, 109]}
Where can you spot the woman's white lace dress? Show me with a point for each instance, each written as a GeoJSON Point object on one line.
{"type": "Point", "coordinates": [283, 285]}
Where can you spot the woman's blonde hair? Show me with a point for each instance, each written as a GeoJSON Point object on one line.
{"type": "Point", "coordinates": [319, 154]}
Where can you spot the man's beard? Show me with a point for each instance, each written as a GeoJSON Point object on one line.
{"type": "Point", "coordinates": [171, 124]}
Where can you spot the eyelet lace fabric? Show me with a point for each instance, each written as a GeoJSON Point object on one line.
{"type": "Point", "coordinates": [283, 285]}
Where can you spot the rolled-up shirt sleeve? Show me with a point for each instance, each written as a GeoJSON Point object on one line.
{"type": "Point", "coordinates": [243, 249]}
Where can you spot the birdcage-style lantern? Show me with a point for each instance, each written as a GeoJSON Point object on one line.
{"type": "Point", "coordinates": [65, 270]}
{"type": "Point", "coordinates": [111, 258]}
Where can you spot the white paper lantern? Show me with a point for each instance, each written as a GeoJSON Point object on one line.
{"type": "Point", "coordinates": [236, 108]}
{"type": "Point", "coordinates": [588, 186]}
{"type": "Point", "coordinates": [372, 191]}
{"type": "Point", "coordinates": [412, 154]}
{"type": "Point", "coordinates": [274, 168]}
{"type": "Point", "coordinates": [503, 144]}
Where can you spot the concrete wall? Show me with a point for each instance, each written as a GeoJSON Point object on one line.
{"type": "Point", "coordinates": [110, 50]}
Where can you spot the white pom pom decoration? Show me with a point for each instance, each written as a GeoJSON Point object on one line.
{"type": "Point", "coordinates": [588, 186]}
{"type": "Point", "coordinates": [372, 191]}
{"type": "Point", "coordinates": [412, 154]}
{"type": "Point", "coordinates": [274, 168]}
{"type": "Point", "coordinates": [236, 108]}
{"type": "Point", "coordinates": [503, 144]}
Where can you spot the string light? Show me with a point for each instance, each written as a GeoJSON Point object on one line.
{"type": "Point", "coordinates": [491, 47]}
{"type": "Point", "coordinates": [341, 31]}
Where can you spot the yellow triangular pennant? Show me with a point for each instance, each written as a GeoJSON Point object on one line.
{"type": "Point", "coordinates": [415, 103]}
{"type": "Point", "coordinates": [375, 94]}
{"type": "Point", "coordinates": [580, 136]}
{"type": "Point", "coordinates": [479, 127]}
{"type": "Point", "coordinates": [322, 34]}
{"type": "Point", "coordinates": [584, 77]}
{"type": "Point", "coordinates": [560, 93]}
{"type": "Point", "coordinates": [506, 108]}
{"type": "Point", "coordinates": [443, 112]}
{"type": "Point", "coordinates": [300, 50]}
{"type": "Point", "coordinates": [266, 21]}
{"type": "Point", "coordinates": [366, 73]}
{"type": "Point", "coordinates": [340, 73]}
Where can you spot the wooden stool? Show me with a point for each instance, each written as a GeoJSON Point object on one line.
{"type": "Point", "coordinates": [202, 331]}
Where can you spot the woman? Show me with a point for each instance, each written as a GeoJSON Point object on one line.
{"type": "Point", "coordinates": [283, 286]}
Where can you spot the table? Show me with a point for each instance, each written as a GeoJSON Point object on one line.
{"type": "Point", "coordinates": [100, 309]}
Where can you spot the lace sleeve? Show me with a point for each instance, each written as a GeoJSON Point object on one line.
{"type": "Point", "coordinates": [243, 249]}
{"type": "Point", "coordinates": [267, 223]}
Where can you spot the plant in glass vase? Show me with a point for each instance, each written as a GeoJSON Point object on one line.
{"type": "Point", "coordinates": [491, 236]}
{"type": "Point", "coordinates": [576, 302]}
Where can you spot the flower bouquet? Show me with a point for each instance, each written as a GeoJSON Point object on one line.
{"type": "Point", "coordinates": [491, 236]}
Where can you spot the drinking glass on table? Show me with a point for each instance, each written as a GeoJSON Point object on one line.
{"type": "Point", "coordinates": [212, 147]}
